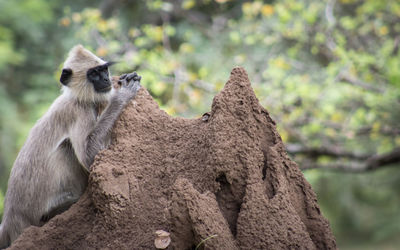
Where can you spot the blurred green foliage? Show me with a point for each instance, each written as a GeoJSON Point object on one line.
{"type": "Point", "coordinates": [327, 71]}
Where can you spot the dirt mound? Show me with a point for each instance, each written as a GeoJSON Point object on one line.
{"type": "Point", "coordinates": [225, 176]}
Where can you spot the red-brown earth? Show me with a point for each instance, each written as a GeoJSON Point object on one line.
{"type": "Point", "coordinates": [225, 176]}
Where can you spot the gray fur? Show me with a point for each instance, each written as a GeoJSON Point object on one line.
{"type": "Point", "coordinates": [51, 170]}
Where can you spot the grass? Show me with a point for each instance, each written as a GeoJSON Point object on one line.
{"type": "Point", "coordinates": [206, 239]}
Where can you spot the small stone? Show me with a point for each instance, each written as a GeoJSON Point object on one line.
{"type": "Point", "coordinates": [162, 239]}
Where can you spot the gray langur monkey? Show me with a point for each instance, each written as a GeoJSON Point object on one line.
{"type": "Point", "coordinates": [51, 170]}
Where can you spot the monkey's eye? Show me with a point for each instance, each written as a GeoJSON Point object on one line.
{"type": "Point", "coordinates": [94, 76]}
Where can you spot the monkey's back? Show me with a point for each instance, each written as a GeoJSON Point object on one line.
{"type": "Point", "coordinates": [45, 167]}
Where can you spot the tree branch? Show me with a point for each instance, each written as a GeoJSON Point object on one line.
{"type": "Point", "coordinates": [371, 163]}
{"type": "Point", "coordinates": [386, 159]}
{"type": "Point", "coordinates": [352, 167]}
{"type": "Point", "coordinates": [324, 151]}
{"type": "Point", "coordinates": [385, 130]}
{"type": "Point", "coordinates": [357, 82]}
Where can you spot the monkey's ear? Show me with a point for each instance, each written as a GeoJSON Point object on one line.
{"type": "Point", "coordinates": [110, 63]}
{"type": "Point", "coordinates": [66, 76]}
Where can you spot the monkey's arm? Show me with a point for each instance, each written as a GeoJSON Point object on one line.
{"type": "Point", "coordinates": [87, 145]}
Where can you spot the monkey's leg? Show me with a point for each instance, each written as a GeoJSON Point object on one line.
{"type": "Point", "coordinates": [60, 205]}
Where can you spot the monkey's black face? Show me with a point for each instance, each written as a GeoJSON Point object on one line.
{"type": "Point", "coordinates": [100, 78]}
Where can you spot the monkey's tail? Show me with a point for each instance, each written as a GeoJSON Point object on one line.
{"type": "Point", "coordinates": [4, 242]}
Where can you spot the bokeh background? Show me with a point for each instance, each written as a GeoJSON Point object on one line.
{"type": "Point", "coordinates": [328, 71]}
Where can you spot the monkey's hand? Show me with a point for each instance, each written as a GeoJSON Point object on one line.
{"type": "Point", "coordinates": [130, 84]}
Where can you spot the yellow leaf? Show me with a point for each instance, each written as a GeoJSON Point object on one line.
{"type": "Point", "coordinates": [101, 51]}
{"type": "Point", "coordinates": [246, 8]}
{"type": "Point", "coordinates": [348, 1]}
{"type": "Point", "coordinates": [284, 135]}
{"type": "Point", "coordinates": [112, 23]}
{"type": "Point", "coordinates": [281, 63]}
{"type": "Point", "coordinates": [102, 25]}
{"type": "Point", "coordinates": [195, 96]}
{"type": "Point", "coordinates": [188, 4]}
{"type": "Point", "coordinates": [376, 126]}
{"type": "Point", "coordinates": [383, 30]}
{"type": "Point", "coordinates": [267, 10]}
{"type": "Point", "coordinates": [133, 32]}
{"type": "Point", "coordinates": [337, 117]}
{"type": "Point", "coordinates": [76, 17]}
{"type": "Point", "coordinates": [159, 88]}
{"type": "Point", "coordinates": [170, 110]}
{"type": "Point", "coordinates": [397, 141]}
{"type": "Point", "coordinates": [203, 72]}
{"type": "Point", "coordinates": [192, 76]}
{"type": "Point", "coordinates": [65, 22]}
{"type": "Point", "coordinates": [186, 48]}
{"type": "Point", "coordinates": [330, 132]}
